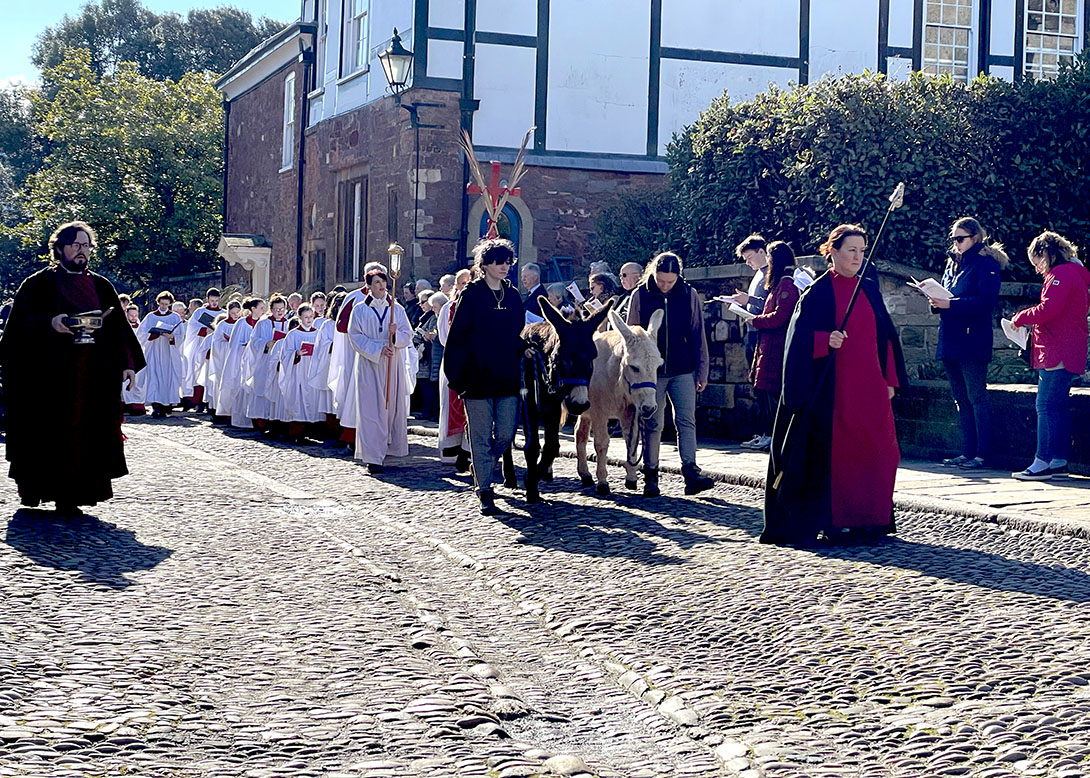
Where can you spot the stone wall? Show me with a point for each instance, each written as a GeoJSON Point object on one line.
{"type": "Point", "coordinates": [728, 410]}
{"type": "Point", "coordinates": [927, 424]}
{"type": "Point", "coordinates": [260, 198]}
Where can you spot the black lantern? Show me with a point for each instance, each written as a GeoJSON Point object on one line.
{"type": "Point", "coordinates": [396, 61]}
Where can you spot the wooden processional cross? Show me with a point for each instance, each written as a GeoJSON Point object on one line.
{"type": "Point", "coordinates": [495, 192]}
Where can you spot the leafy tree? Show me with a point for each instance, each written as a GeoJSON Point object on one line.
{"type": "Point", "coordinates": [139, 159]}
{"type": "Point", "coordinates": [161, 46]}
{"type": "Point", "coordinates": [634, 226]}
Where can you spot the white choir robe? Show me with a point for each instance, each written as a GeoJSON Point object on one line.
{"type": "Point", "coordinates": [195, 333]}
{"type": "Point", "coordinates": [136, 395]}
{"type": "Point", "coordinates": [447, 439]}
{"type": "Point", "coordinates": [233, 395]}
{"type": "Point", "coordinates": [264, 391]}
{"type": "Point", "coordinates": [202, 356]}
{"type": "Point", "coordinates": [221, 342]}
{"type": "Point", "coordinates": [319, 365]}
{"type": "Point", "coordinates": [379, 431]}
{"type": "Point", "coordinates": [298, 399]}
{"type": "Point", "coordinates": [165, 363]}
{"type": "Point", "coordinates": [185, 384]}
{"type": "Point", "coordinates": [342, 366]}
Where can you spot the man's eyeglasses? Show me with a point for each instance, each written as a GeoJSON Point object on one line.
{"type": "Point", "coordinates": [81, 246]}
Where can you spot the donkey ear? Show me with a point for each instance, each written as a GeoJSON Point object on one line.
{"type": "Point", "coordinates": [619, 325]}
{"type": "Point", "coordinates": [654, 324]}
{"type": "Point", "coordinates": [551, 314]}
{"type": "Point", "coordinates": [594, 321]}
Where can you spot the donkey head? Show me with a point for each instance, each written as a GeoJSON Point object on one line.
{"type": "Point", "coordinates": [640, 361]}
{"type": "Point", "coordinates": [572, 361]}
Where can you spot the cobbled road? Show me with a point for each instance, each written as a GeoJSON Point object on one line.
{"type": "Point", "coordinates": [253, 609]}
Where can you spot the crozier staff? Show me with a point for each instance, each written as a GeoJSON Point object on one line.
{"type": "Point", "coordinates": [64, 426]}
{"type": "Point", "coordinates": [834, 449]}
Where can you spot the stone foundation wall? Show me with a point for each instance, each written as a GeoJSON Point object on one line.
{"type": "Point", "coordinates": [927, 420]}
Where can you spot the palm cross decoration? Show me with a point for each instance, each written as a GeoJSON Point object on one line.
{"type": "Point", "coordinates": [494, 193]}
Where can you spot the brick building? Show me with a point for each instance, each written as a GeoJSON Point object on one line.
{"type": "Point", "coordinates": [324, 168]}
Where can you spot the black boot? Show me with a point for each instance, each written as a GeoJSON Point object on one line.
{"type": "Point", "coordinates": [651, 482]}
{"type": "Point", "coordinates": [488, 501]}
{"type": "Point", "coordinates": [461, 465]}
{"type": "Point", "coordinates": [695, 482]}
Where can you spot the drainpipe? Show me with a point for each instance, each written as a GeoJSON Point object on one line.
{"type": "Point", "coordinates": [304, 120]}
{"type": "Point", "coordinates": [226, 162]}
{"type": "Point", "coordinates": [467, 105]}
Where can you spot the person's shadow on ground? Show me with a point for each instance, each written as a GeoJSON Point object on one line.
{"type": "Point", "coordinates": [101, 552]}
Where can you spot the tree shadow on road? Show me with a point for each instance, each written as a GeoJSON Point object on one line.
{"type": "Point", "coordinates": [101, 552]}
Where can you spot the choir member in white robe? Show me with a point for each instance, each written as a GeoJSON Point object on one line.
{"type": "Point", "coordinates": [163, 352]}
{"type": "Point", "coordinates": [221, 343]}
{"type": "Point", "coordinates": [453, 444]}
{"type": "Point", "coordinates": [185, 386]}
{"type": "Point", "coordinates": [197, 328]}
{"type": "Point", "coordinates": [319, 365]}
{"type": "Point", "coordinates": [380, 428]}
{"type": "Point", "coordinates": [298, 398]}
{"type": "Point", "coordinates": [342, 366]}
{"type": "Point", "coordinates": [265, 391]}
{"type": "Point", "coordinates": [234, 394]}
{"type": "Point", "coordinates": [133, 399]}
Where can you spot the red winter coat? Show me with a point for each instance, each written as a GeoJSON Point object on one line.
{"type": "Point", "coordinates": [771, 325]}
{"type": "Point", "coordinates": [1059, 320]}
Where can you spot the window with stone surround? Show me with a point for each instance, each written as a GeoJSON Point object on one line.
{"type": "Point", "coordinates": [1052, 36]}
{"type": "Point", "coordinates": [353, 243]}
{"type": "Point", "coordinates": [287, 154]}
{"type": "Point", "coordinates": [948, 33]}
{"type": "Point", "coordinates": [355, 34]}
{"type": "Point", "coordinates": [320, 45]}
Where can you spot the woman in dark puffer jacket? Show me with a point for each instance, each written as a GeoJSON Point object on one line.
{"type": "Point", "coordinates": [965, 334]}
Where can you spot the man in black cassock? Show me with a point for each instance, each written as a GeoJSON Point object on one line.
{"type": "Point", "coordinates": [64, 438]}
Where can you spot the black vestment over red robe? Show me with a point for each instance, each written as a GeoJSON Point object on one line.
{"type": "Point", "coordinates": [833, 446]}
{"type": "Point", "coordinates": [64, 438]}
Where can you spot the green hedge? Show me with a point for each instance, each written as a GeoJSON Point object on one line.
{"type": "Point", "coordinates": [793, 163]}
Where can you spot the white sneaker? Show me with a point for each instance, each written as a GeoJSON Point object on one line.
{"type": "Point", "coordinates": [755, 442]}
{"type": "Point", "coordinates": [764, 444]}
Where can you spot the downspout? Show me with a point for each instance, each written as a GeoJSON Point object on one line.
{"type": "Point", "coordinates": [467, 105]}
{"type": "Point", "coordinates": [304, 120]}
{"type": "Point", "coordinates": [226, 163]}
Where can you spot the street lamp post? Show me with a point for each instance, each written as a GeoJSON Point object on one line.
{"type": "Point", "coordinates": [397, 62]}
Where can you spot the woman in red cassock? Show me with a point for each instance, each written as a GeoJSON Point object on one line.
{"type": "Point", "coordinates": [834, 446]}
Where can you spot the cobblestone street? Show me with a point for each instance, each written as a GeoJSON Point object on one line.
{"type": "Point", "coordinates": [252, 609]}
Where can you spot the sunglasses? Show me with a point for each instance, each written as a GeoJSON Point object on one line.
{"type": "Point", "coordinates": [499, 262]}
{"type": "Point", "coordinates": [958, 239]}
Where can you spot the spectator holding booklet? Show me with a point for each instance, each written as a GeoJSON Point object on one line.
{"type": "Point", "coordinates": [966, 301]}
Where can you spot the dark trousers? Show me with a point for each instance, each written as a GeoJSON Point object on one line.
{"type": "Point", "coordinates": [969, 385]}
{"type": "Point", "coordinates": [766, 410]}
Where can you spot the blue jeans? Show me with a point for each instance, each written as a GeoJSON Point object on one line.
{"type": "Point", "coordinates": [681, 389]}
{"type": "Point", "coordinates": [1053, 414]}
{"type": "Point", "coordinates": [491, 429]}
{"type": "Point", "coordinates": [969, 385]}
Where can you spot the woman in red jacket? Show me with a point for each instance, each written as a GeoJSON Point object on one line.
{"type": "Point", "coordinates": [1059, 348]}
{"type": "Point", "coordinates": [771, 327]}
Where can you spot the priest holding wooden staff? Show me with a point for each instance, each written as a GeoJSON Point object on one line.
{"type": "Point", "coordinates": [834, 446]}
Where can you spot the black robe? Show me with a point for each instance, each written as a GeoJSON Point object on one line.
{"type": "Point", "coordinates": [63, 400]}
{"type": "Point", "coordinates": [797, 493]}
